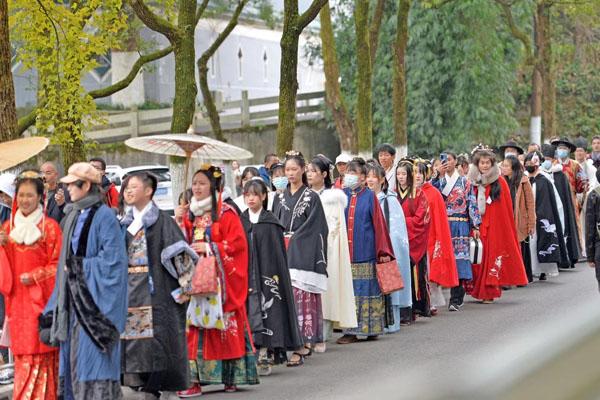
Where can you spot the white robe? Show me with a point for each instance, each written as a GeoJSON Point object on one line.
{"type": "Point", "coordinates": [338, 302]}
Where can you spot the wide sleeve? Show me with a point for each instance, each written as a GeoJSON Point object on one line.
{"type": "Point", "coordinates": [177, 257]}
{"type": "Point", "coordinates": [230, 238]}
{"type": "Point", "coordinates": [383, 243]}
{"type": "Point", "coordinates": [53, 240]}
{"type": "Point", "coordinates": [474, 215]}
{"type": "Point", "coordinates": [591, 226]}
{"type": "Point", "coordinates": [105, 266]}
{"type": "Point", "coordinates": [530, 205]}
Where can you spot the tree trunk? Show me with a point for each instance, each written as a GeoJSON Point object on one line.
{"type": "Point", "coordinates": [364, 113]}
{"type": "Point", "coordinates": [548, 74]}
{"type": "Point", "coordinates": [399, 82]}
{"type": "Point", "coordinates": [75, 151]}
{"type": "Point", "coordinates": [288, 83]}
{"type": "Point", "coordinates": [535, 128]}
{"type": "Point", "coordinates": [333, 93]}
{"type": "Point", "coordinates": [184, 102]}
{"type": "Point", "coordinates": [209, 103]}
{"type": "Point", "coordinates": [375, 28]}
{"type": "Point", "coordinates": [8, 111]}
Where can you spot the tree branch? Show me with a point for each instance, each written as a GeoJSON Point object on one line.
{"type": "Point", "coordinates": [310, 14]}
{"type": "Point", "coordinates": [123, 83]}
{"type": "Point", "coordinates": [516, 32]}
{"type": "Point", "coordinates": [200, 11]}
{"type": "Point", "coordinates": [26, 121]}
{"type": "Point", "coordinates": [375, 28]}
{"type": "Point", "coordinates": [225, 33]}
{"type": "Point", "coordinates": [153, 21]}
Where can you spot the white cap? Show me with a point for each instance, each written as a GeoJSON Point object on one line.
{"type": "Point", "coordinates": [7, 184]}
{"type": "Point", "coordinates": [343, 158]}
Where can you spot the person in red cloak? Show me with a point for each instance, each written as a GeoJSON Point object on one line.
{"type": "Point", "coordinates": [502, 263]}
{"type": "Point", "coordinates": [416, 212]}
{"type": "Point", "coordinates": [219, 356]}
{"type": "Point", "coordinates": [442, 262]}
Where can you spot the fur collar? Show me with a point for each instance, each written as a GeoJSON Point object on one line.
{"type": "Point", "coordinates": [477, 178]}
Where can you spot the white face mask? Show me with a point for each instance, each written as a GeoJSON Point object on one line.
{"type": "Point", "coordinates": [280, 182]}
{"type": "Point", "coordinates": [351, 181]}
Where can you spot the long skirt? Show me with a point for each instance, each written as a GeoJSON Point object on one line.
{"type": "Point", "coordinates": [392, 315]}
{"type": "Point", "coordinates": [479, 289]}
{"type": "Point", "coordinates": [420, 288]}
{"type": "Point", "coordinates": [240, 371]}
{"type": "Point", "coordinates": [310, 316]}
{"type": "Point", "coordinates": [538, 268]}
{"type": "Point", "coordinates": [36, 376]}
{"type": "Point", "coordinates": [370, 309]}
{"type": "Point", "coordinates": [526, 253]}
{"type": "Point", "coordinates": [459, 230]}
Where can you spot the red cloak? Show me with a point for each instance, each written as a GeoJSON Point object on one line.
{"type": "Point", "coordinates": [416, 214]}
{"type": "Point", "coordinates": [442, 263]}
{"type": "Point", "coordinates": [502, 261]}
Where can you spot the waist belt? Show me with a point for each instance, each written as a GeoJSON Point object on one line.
{"type": "Point", "coordinates": [137, 269]}
{"type": "Point", "coordinates": [458, 219]}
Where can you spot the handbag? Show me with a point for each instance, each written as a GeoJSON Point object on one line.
{"type": "Point", "coordinates": [204, 279]}
{"type": "Point", "coordinates": [388, 277]}
{"type": "Point", "coordinates": [206, 311]}
{"type": "Point", "coordinates": [476, 251]}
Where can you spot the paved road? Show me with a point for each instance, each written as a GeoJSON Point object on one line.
{"type": "Point", "coordinates": [432, 345]}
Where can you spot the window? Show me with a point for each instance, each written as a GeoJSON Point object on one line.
{"type": "Point", "coordinates": [265, 66]}
{"type": "Point", "coordinates": [240, 70]}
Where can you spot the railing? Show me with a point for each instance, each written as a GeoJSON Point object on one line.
{"type": "Point", "coordinates": [235, 114]}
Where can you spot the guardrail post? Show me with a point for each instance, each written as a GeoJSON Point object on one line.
{"type": "Point", "coordinates": [245, 109]}
{"type": "Point", "coordinates": [218, 99]}
{"type": "Point", "coordinates": [134, 122]}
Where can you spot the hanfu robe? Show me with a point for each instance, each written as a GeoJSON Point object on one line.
{"type": "Point", "coordinates": [305, 225]}
{"type": "Point", "coordinates": [502, 263]}
{"type": "Point", "coordinates": [442, 263]}
{"type": "Point", "coordinates": [36, 364]}
{"type": "Point", "coordinates": [271, 308]}
{"type": "Point", "coordinates": [369, 243]}
{"type": "Point", "coordinates": [547, 244]}
{"type": "Point", "coordinates": [570, 228]}
{"type": "Point", "coordinates": [223, 356]}
{"type": "Point", "coordinates": [339, 304]}
{"type": "Point", "coordinates": [416, 214]}
{"type": "Point", "coordinates": [154, 342]}
{"type": "Point", "coordinates": [463, 215]}
{"type": "Point", "coordinates": [396, 223]}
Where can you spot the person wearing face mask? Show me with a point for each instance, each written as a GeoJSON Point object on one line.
{"type": "Point", "coordinates": [416, 212]}
{"type": "Point", "coordinates": [279, 182]}
{"type": "Point", "coordinates": [510, 149]}
{"type": "Point", "coordinates": [523, 205]}
{"type": "Point", "coordinates": [369, 243]}
{"type": "Point", "coordinates": [578, 181]}
{"type": "Point", "coordinates": [440, 253]}
{"type": "Point", "coordinates": [554, 171]}
{"type": "Point", "coordinates": [546, 242]}
{"type": "Point", "coordinates": [300, 211]}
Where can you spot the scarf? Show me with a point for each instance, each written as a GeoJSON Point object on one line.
{"type": "Point", "coordinates": [25, 230]}
{"type": "Point", "coordinates": [60, 317]}
{"type": "Point", "coordinates": [199, 207]}
{"type": "Point", "coordinates": [481, 181]}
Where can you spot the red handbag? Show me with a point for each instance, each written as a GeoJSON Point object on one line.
{"type": "Point", "coordinates": [388, 276]}
{"type": "Point", "coordinates": [204, 280]}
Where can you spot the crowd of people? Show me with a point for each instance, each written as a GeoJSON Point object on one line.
{"type": "Point", "coordinates": [104, 290]}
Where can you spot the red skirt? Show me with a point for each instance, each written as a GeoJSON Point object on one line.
{"type": "Point", "coordinates": [480, 290]}
{"type": "Point", "coordinates": [36, 376]}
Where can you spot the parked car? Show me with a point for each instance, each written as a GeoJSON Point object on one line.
{"type": "Point", "coordinates": [164, 194]}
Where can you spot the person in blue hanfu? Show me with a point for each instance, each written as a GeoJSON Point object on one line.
{"type": "Point", "coordinates": [394, 218]}
{"type": "Point", "coordinates": [86, 313]}
{"type": "Point", "coordinates": [369, 244]}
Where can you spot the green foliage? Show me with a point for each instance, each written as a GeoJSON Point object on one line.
{"type": "Point", "coordinates": [62, 40]}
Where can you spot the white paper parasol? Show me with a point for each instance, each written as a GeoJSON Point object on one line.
{"type": "Point", "coordinates": [15, 152]}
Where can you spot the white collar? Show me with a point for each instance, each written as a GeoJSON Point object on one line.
{"type": "Point", "coordinates": [138, 219]}
{"type": "Point", "coordinates": [254, 216]}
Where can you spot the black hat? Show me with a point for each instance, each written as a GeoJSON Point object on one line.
{"type": "Point", "coordinates": [580, 143]}
{"type": "Point", "coordinates": [565, 142]}
{"type": "Point", "coordinates": [513, 144]}
{"type": "Point", "coordinates": [548, 150]}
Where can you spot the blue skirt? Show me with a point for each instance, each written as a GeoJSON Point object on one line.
{"type": "Point", "coordinates": [460, 231]}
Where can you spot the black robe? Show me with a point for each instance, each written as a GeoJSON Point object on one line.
{"type": "Point", "coordinates": [159, 363]}
{"type": "Point", "coordinates": [271, 309]}
{"type": "Point", "coordinates": [570, 230]}
{"type": "Point", "coordinates": [302, 215]}
{"type": "Point", "coordinates": [551, 246]}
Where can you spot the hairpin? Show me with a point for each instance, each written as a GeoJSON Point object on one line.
{"type": "Point", "coordinates": [481, 147]}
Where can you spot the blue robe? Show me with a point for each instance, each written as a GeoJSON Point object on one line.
{"type": "Point", "coordinates": [105, 267]}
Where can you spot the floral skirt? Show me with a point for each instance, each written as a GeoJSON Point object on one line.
{"type": "Point", "coordinates": [310, 316]}
{"type": "Point", "coordinates": [36, 376]}
{"type": "Point", "coordinates": [370, 307]}
{"type": "Point", "coordinates": [240, 371]}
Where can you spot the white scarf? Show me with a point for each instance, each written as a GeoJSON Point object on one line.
{"type": "Point", "coordinates": [25, 229]}
{"type": "Point", "coordinates": [199, 207]}
{"type": "Point", "coordinates": [450, 182]}
{"type": "Point", "coordinates": [138, 217]}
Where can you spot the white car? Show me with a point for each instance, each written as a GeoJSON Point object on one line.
{"type": "Point", "coordinates": [164, 194]}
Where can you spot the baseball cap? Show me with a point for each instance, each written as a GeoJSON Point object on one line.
{"type": "Point", "coordinates": [82, 171]}
{"type": "Point", "coordinates": [343, 158]}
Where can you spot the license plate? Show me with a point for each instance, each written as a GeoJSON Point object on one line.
{"type": "Point", "coordinates": [161, 192]}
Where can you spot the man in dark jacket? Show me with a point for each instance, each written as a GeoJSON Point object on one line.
{"type": "Point", "coordinates": [592, 226]}
{"type": "Point", "coordinates": [57, 194]}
